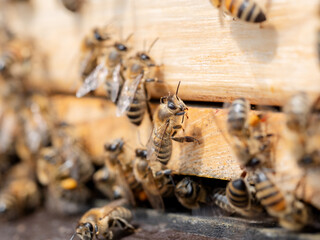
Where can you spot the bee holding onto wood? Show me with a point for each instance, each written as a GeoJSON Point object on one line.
{"type": "Point", "coordinates": [100, 222]}
{"type": "Point", "coordinates": [92, 47]}
{"type": "Point", "coordinates": [166, 120]}
{"type": "Point", "coordinates": [133, 99]}
{"type": "Point", "coordinates": [245, 10]}
{"type": "Point", "coordinates": [108, 71]}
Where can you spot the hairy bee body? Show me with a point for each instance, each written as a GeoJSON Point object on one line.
{"type": "Point", "coordinates": [137, 107]}
{"type": "Point", "coordinates": [245, 10]}
{"type": "Point", "coordinates": [101, 221]}
{"type": "Point", "coordinates": [237, 192]}
{"type": "Point", "coordinates": [220, 199]}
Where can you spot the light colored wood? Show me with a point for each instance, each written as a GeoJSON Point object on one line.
{"type": "Point", "coordinates": [216, 59]}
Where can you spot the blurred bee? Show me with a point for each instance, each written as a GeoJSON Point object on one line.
{"type": "Point", "coordinates": [74, 6]}
{"type": "Point", "coordinates": [112, 178]}
{"type": "Point", "coordinates": [140, 69]}
{"type": "Point", "coordinates": [108, 71]}
{"type": "Point", "coordinates": [15, 57]}
{"type": "Point", "coordinates": [292, 214]}
{"type": "Point", "coordinates": [92, 47]}
{"type": "Point", "coordinates": [100, 222]}
{"type": "Point", "coordinates": [194, 195]}
{"type": "Point", "coordinates": [20, 194]}
{"type": "Point", "coordinates": [245, 10]}
{"type": "Point", "coordinates": [302, 125]}
{"type": "Point", "coordinates": [155, 185]}
{"type": "Point", "coordinates": [166, 124]}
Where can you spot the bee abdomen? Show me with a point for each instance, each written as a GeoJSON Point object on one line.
{"type": "Point", "coordinates": [220, 199]}
{"type": "Point", "coordinates": [238, 194]}
{"type": "Point", "coordinates": [237, 115]}
{"type": "Point", "coordinates": [246, 10]}
{"type": "Point", "coordinates": [136, 111]}
{"type": "Point", "coordinates": [269, 195]}
{"type": "Point", "coordinates": [121, 212]}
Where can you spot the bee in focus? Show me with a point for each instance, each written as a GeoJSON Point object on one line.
{"type": "Point", "coordinates": [92, 47]}
{"type": "Point", "coordinates": [291, 213]}
{"type": "Point", "coordinates": [20, 193]}
{"type": "Point", "coordinates": [108, 71]}
{"type": "Point", "coordinates": [101, 222]}
{"type": "Point", "coordinates": [74, 6]}
{"type": "Point", "coordinates": [245, 10]}
{"type": "Point", "coordinates": [166, 120]}
{"type": "Point", "coordinates": [133, 99]}
{"type": "Point", "coordinates": [15, 57]}
{"type": "Point", "coordinates": [111, 179]}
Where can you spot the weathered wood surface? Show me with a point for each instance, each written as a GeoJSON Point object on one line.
{"type": "Point", "coordinates": [216, 59]}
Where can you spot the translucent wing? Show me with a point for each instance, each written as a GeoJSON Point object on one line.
{"type": "Point", "coordinates": [127, 95]}
{"type": "Point", "coordinates": [152, 192]}
{"type": "Point", "coordinates": [115, 84]}
{"type": "Point", "coordinates": [93, 81]}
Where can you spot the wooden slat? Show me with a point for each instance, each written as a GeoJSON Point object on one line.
{"type": "Point", "coordinates": [216, 59]}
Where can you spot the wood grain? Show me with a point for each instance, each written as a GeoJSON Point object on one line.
{"type": "Point", "coordinates": [217, 59]}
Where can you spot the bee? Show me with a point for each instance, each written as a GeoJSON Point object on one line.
{"type": "Point", "coordinates": [100, 222]}
{"type": "Point", "coordinates": [166, 123]}
{"type": "Point", "coordinates": [20, 194]}
{"type": "Point", "coordinates": [92, 47]}
{"type": "Point", "coordinates": [16, 57]}
{"type": "Point", "coordinates": [140, 69]}
{"type": "Point", "coordinates": [74, 6]}
{"type": "Point", "coordinates": [108, 71]}
{"type": "Point", "coordinates": [115, 165]}
{"type": "Point", "coordinates": [292, 214]}
{"type": "Point", "coordinates": [144, 175]}
{"type": "Point", "coordinates": [245, 10]}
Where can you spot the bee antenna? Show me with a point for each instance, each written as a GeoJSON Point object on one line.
{"type": "Point", "coordinates": [72, 237]}
{"type": "Point", "coordinates": [178, 88]}
{"type": "Point", "coordinates": [128, 38]}
{"type": "Point", "coordinates": [152, 44]}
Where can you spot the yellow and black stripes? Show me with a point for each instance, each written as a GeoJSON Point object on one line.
{"type": "Point", "coordinates": [270, 197]}
{"type": "Point", "coordinates": [163, 147]}
{"type": "Point", "coordinates": [246, 10]}
{"type": "Point", "coordinates": [238, 194]}
{"type": "Point", "coordinates": [137, 108]}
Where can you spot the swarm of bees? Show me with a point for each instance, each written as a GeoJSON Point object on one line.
{"type": "Point", "coordinates": [40, 155]}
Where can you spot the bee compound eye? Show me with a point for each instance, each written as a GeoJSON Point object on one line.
{"type": "Point", "coordinates": [89, 226]}
{"type": "Point", "coordinates": [171, 105]}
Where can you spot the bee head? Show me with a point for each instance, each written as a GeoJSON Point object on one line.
{"type": "Point", "coordinates": [85, 231]}
{"type": "Point", "coordinates": [174, 104]}
{"type": "Point", "coordinates": [99, 35]}
{"type": "Point", "coordinates": [121, 47]}
{"type": "Point", "coordinates": [116, 145]}
{"type": "Point", "coordinates": [145, 59]}
{"type": "Point", "coordinates": [185, 188]}
{"type": "Point", "coordinates": [141, 153]}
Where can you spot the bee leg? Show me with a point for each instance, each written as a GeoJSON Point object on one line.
{"type": "Point", "coordinates": [178, 127]}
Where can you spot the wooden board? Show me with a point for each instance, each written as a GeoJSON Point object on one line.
{"type": "Point", "coordinates": [217, 59]}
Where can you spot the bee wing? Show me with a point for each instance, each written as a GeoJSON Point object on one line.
{"type": "Point", "coordinates": [93, 81]}
{"type": "Point", "coordinates": [150, 187]}
{"type": "Point", "coordinates": [125, 185]}
{"type": "Point", "coordinates": [127, 94]}
{"type": "Point", "coordinates": [116, 83]}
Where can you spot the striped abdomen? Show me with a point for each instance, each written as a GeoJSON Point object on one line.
{"type": "Point", "coordinates": [237, 115]}
{"type": "Point", "coordinates": [137, 107]}
{"type": "Point", "coordinates": [238, 194]}
{"type": "Point", "coordinates": [121, 212]}
{"type": "Point", "coordinates": [220, 199]}
{"type": "Point", "coordinates": [269, 195]}
{"type": "Point", "coordinates": [163, 147]}
{"type": "Point", "coordinates": [246, 10]}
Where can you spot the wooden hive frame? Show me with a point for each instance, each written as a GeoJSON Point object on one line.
{"type": "Point", "coordinates": [217, 60]}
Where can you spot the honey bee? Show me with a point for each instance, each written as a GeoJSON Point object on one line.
{"type": "Point", "coordinates": [166, 124]}
{"type": "Point", "coordinates": [15, 57]}
{"type": "Point", "coordinates": [92, 47]}
{"type": "Point", "coordinates": [140, 69]}
{"type": "Point", "coordinates": [73, 5]}
{"type": "Point", "coordinates": [144, 175]}
{"type": "Point", "coordinates": [115, 165]}
{"type": "Point", "coordinates": [108, 71]}
{"type": "Point", "coordinates": [292, 214]}
{"type": "Point", "coordinates": [245, 10]}
{"type": "Point", "coordinates": [100, 222]}
{"type": "Point", "coordinates": [20, 194]}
